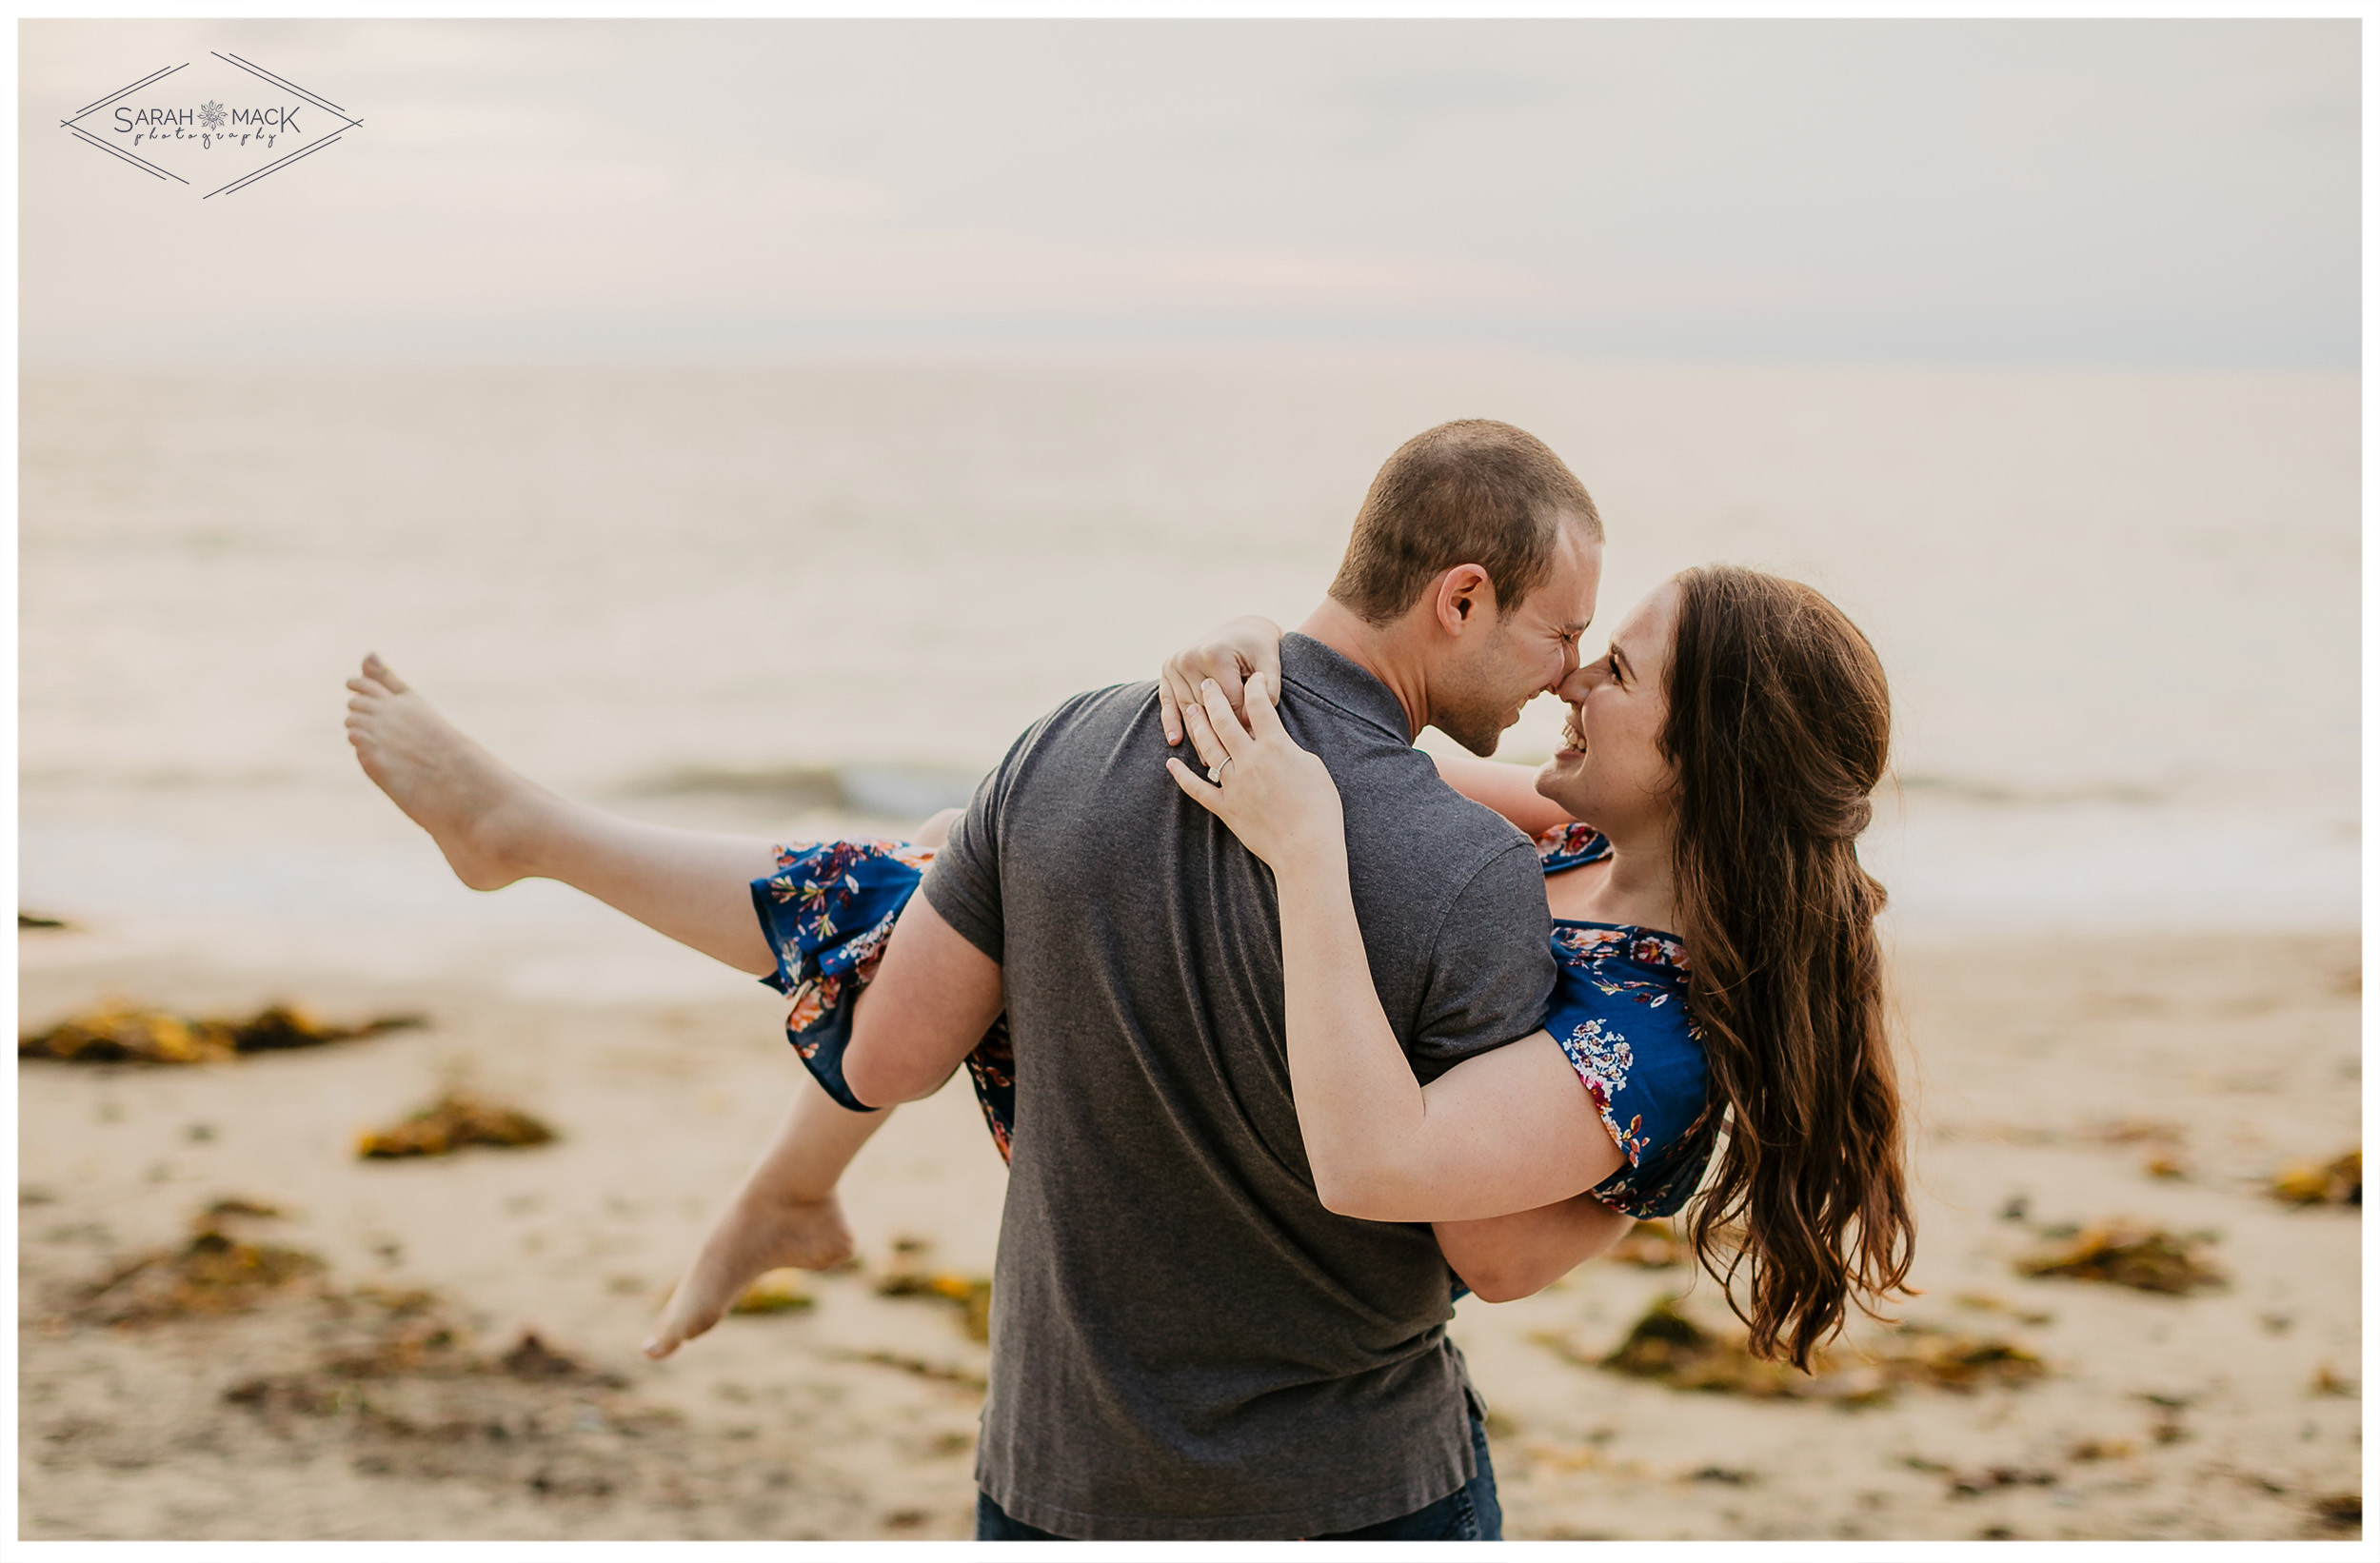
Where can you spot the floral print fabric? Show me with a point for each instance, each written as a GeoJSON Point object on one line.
{"type": "Point", "coordinates": [1567, 846]}
{"type": "Point", "coordinates": [828, 911]}
{"type": "Point", "coordinates": [1619, 1014]}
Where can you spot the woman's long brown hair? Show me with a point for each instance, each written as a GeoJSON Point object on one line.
{"type": "Point", "coordinates": [1778, 724]}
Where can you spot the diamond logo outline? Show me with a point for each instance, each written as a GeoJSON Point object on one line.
{"type": "Point", "coordinates": [212, 117]}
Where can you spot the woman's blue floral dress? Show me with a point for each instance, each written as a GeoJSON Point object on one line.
{"type": "Point", "coordinates": [1618, 1008]}
{"type": "Point", "coordinates": [1619, 1014]}
{"type": "Point", "coordinates": [828, 911]}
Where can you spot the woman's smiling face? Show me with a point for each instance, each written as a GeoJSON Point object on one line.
{"type": "Point", "coordinates": [1610, 771]}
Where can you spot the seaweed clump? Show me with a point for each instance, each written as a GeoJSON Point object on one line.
{"type": "Point", "coordinates": [774, 1292]}
{"type": "Point", "coordinates": [2337, 1182]}
{"type": "Point", "coordinates": [530, 1357]}
{"type": "Point", "coordinates": [454, 1120]}
{"type": "Point", "coordinates": [1667, 1347]}
{"type": "Point", "coordinates": [117, 1032]}
{"type": "Point", "coordinates": [1961, 1363]}
{"type": "Point", "coordinates": [2340, 1511]}
{"type": "Point", "coordinates": [970, 1295]}
{"type": "Point", "coordinates": [214, 1273]}
{"type": "Point", "coordinates": [392, 1340]}
{"type": "Point", "coordinates": [2147, 1259]}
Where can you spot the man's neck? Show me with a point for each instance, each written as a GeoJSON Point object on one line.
{"type": "Point", "coordinates": [1378, 652]}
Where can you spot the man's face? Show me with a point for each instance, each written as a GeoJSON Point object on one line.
{"type": "Point", "coordinates": [1520, 653]}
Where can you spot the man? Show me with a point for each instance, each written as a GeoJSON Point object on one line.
{"type": "Point", "coordinates": [1185, 1343]}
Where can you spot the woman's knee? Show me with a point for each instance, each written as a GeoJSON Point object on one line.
{"type": "Point", "coordinates": [937, 828]}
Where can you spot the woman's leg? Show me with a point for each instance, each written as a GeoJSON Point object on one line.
{"type": "Point", "coordinates": [495, 827]}
{"type": "Point", "coordinates": [784, 1215]}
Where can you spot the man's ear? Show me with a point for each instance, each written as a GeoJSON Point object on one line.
{"type": "Point", "coordinates": [1465, 596]}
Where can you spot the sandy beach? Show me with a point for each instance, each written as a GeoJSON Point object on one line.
{"type": "Point", "coordinates": [395, 1382]}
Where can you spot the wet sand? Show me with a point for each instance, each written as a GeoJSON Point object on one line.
{"type": "Point", "coordinates": [2051, 1075]}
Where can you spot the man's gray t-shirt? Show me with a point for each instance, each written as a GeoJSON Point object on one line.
{"type": "Point", "coordinates": [1184, 1342]}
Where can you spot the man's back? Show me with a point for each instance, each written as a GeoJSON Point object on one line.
{"type": "Point", "coordinates": [1185, 1343]}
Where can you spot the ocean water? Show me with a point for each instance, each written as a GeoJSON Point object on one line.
{"type": "Point", "coordinates": [2119, 610]}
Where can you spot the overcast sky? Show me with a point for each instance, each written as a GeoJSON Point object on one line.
{"type": "Point", "coordinates": [2141, 192]}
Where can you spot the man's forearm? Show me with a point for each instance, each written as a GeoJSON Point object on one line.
{"type": "Point", "coordinates": [1509, 1256]}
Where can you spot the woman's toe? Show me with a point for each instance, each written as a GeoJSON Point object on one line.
{"type": "Point", "coordinates": [383, 674]}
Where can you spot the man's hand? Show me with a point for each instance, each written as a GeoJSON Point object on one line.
{"type": "Point", "coordinates": [1227, 654]}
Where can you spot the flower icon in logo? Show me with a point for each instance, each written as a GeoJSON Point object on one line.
{"type": "Point", "coordinates": [212, 116]}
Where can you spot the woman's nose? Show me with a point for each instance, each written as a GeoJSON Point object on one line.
{"type": "Point", "coordinates": [1575, 688]}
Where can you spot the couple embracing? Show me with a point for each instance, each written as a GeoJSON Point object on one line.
{"type": "Point", "coordinates": [1289, 1047]}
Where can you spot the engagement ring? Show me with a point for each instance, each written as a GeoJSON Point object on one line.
{"type": "Point", "coordinates": [1215, 773]}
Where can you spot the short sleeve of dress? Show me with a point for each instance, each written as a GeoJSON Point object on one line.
{"type": "Point", "coordinates": [828, 911]}
{"type": "Point", "coordinates": [1569, 845]}
{"type": "Point", "coordinates": [1619, 1015]}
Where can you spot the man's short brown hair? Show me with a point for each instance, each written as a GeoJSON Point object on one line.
{"type": "Point", "coordinates": [1470, 492]}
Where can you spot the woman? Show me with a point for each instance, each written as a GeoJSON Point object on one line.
{"type": "Point", "coordinates": [1713, 821]}
{"type": "Point", "coordinates": [1724, 749]}
{"type": "Point", "coordinates": [826, 914]}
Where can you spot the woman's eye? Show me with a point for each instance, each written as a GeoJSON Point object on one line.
{"type": "Point", "coordinates": [1613, 662]}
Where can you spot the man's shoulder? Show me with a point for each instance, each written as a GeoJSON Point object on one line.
{"type": "Point", "coordinates": [1109, 710]}
{"type": "Point", "coordinates": [1415, 791]}
{"type": "Point", "coordinates": [1113, 701]}
{"type": "Point", "coordinates": [1392, 791]}
{"type": "Point", "coordinates": [1405, 819]}
{"type": "Point", "coordinates": [1092, 740]}
{"type": "Point", "coordinates": [1384, 780]}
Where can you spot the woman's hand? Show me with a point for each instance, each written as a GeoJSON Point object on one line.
{"type": "Point", "coordinates": [1277, 797]}
{"type": "Point", "coordinates": [1227, 654]}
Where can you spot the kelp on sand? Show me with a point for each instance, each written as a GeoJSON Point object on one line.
{"type": "Point", "coordinates": [121, 1032]}
{"type": "Point", "coordinates": [216, 1271]}
{"type": "Point", "coordinates": [457, 1119]}
{"type": "Point", "coordinates": [1669, 1348]}
{"type": "Point", "coordinates": [2338, 1181]}
{"type": "Point", "coordinates": [970, 1295]}
{"type": "Point", "coordinates": [2122, 1254]}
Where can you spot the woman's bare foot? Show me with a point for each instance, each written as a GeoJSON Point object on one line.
{"type": "Point", "coordinates": [757, 1235]}
{"type": "Point", "coordinates": [479, 811]}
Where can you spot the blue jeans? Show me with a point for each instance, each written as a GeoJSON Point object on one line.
{"type": "Point", "coordinates": [1468, 1514]}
